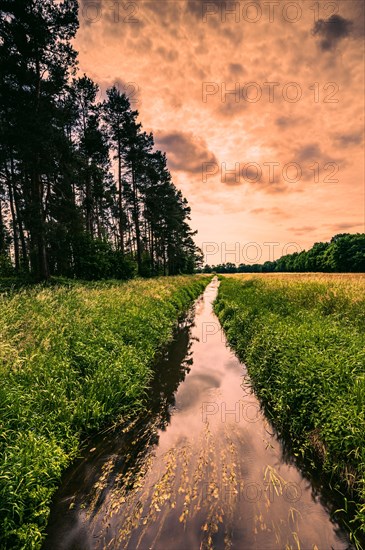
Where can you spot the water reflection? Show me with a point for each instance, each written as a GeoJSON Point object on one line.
{"type": "Point", "coordinates": [202, 469]}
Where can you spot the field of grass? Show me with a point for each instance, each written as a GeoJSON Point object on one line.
{"type": "Point", "coordinates": [73, 358]}
{"type": "Point", "coordinates": [302, 337]}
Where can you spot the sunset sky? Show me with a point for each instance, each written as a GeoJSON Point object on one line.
{"type": "Point", "coordinates": [297, 72]}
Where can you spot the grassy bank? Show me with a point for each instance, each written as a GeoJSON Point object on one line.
{"type": "Point", "coordinates": [72, 358]}
{"type": "Point", "coordinates": [303, 340]}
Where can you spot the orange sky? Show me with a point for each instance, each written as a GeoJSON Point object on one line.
{"type": "Point", "coordinates": [297, 70]}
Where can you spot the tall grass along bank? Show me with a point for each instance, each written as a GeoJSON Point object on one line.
{"type": "Point", "coordinates": [303, 340]}
{"type": "Point", "coordinates": [71, 360]}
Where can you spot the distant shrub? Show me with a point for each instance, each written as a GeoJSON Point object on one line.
{"type": "Point", "coordinates": [6, 267]}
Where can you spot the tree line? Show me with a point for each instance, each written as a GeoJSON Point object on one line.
{"type": "Point", "coordinates": [83, 190]}
{"type": "Point", "coordinates": [345, 252]}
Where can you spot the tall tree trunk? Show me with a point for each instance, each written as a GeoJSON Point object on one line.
{"type": "Point", "coordinates": [37, 230]}
{"type": "Point", "coordinates": [14, 225]}
{"type": "Point", "coordinates": [98, 225]}
{"type": "Point", "coordinates": [120, 198]}
{"type": "Point", "coordinates": [9, 178]}
{"type": "Point", "coordinates": [152, 249]}
{"type": "Point", "coordinates": [136, 223]}
{"type": "Point", "coordinates": [2, 230]}
{"type": "Point", "coordinates": [23, 244]}
{"type": "Point", "coordinates": [88, 201]}
{"type": "Point", "coordinates": [131, 243]}
{"type": "Point", "coordinates": [39, 259]}
{"type": "Point", "coordinates": [164, 259]}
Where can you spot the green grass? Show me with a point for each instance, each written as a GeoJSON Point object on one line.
{"type": "Point", "coordinates": [73, 358]}
{"type": "Point", "coordinates": [303, 340]}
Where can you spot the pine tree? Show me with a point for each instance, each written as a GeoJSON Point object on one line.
{"type": "Point", "coordinates": [36, 58]}
{"type": "Point", "coordinates": [117, 112]}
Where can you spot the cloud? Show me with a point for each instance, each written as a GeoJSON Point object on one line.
{"type": "Point", "coordinates": [167, 15]}
{"type": "Point", "coordinates": [236, 69]}
{"type": "Point", "coordinates": [315, 163]}
{"type": "Point", "coordinates": [302, 230]}
{"type": "Point", "coordinates": [186, 152]}
{"type": "Point", "coordinates": [272, 212]}
{"type": "Point", "coordinates": [169, 55]}
{"type": "Point", "coordinates": [230, 108]}
{"type": "Point", "coordinates": [200, 8]}
{"type": "Point", "coordinates": [257, 210]}
{"type": "Point", "coordinates": [196, 8]}
{"type": "Point", "coordinates": [90, 4]}
{"type": "Point", "coordinates": [90, 11]}
{"type": "Point", "coordinates": [331, 31]}
{"type": "Point", "coordinates": [309, 152]}
{"type": "Point", "coordinates": [274, 188]}
{"type": "Point", "coordinates": [342, 226]}
{"type": "Point", "coordinates": [347, 140]}
{"type": "Point", "coordinates": [287, 122]}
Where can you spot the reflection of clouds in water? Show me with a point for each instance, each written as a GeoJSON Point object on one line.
{"type": "Point", "coordinates": [194, 389]}
{"type": "Point", "coordinates": [231, 364]}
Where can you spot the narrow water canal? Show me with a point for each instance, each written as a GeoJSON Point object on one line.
{"type": "Point", "coordinates": [201, 470]}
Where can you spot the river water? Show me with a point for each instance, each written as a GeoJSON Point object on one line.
{"type": "Point", "coordinates": [202, 469]}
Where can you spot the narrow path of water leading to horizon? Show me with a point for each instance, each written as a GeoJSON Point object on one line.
{"type": "Point", "coordinates": [202, 469]}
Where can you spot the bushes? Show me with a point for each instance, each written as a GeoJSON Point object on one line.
{"type": "Point", "coordinates": [72, 359]}
{"type": "Point", "coordinates": [303, 341]}
{"type": "Point", "coordinates": [6, 267]}
{"type": "Point", "coordinates": [95, 259]}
